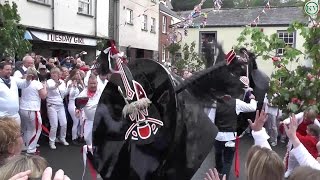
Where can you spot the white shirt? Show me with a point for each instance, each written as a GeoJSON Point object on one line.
{"type": "Point", "coordinates": [56, 94]}
{"type": "Point", "coordinates": [72, 91]}
{"type": "Point", "coordinates": [17, 73]}
{"type": "Point", "coordinates": [9, 98]}
{"type": "Point", "coordinates": [299, 118]}
{"type": "Point", "coordinates": [241, 106]}
{"type": "Point", "coordinates": [30, 98]}
{"type": "Point", "coordinates": [91, 106]}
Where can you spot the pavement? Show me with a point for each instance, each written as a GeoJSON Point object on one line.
{"type": "Point", "coordinates": [69, 158]}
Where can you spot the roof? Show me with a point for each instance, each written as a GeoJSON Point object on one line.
{"type": "Point", "coordinates": [241, 17]}
{"type": "Point", "coordinates": [165, 9]}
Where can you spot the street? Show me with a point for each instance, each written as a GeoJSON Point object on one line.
{"type": "Point", "coordinates": [70, 159]}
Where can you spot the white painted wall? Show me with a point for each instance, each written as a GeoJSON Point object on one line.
{"type": "Point", "coordinates": [133, 35]}
{"type": "Point", "coordinates": [227, 37]}
{"type": "Point", "coordinates": [66, 17]}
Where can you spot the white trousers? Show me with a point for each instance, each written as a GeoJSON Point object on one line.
{"type": "Point", "coordinates": [76, 121]}
{"type": "Point", "coordinates": [31, 127]}
{"type": "Point", "coordinates": [57, 113]}
{"type": "Point", "coordinates": [88, 125]}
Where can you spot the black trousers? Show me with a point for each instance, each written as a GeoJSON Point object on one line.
{"type": "Point", "coordinates": [224, 157]}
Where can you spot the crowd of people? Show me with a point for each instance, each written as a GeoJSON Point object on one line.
{"type": "Point", "coordinates": [37, 93]}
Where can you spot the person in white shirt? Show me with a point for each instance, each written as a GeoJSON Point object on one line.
{"type": "Point", "coordinates": [93, 92]}
{"type": "Point", "coordinates": [9, 98]}
{"type": "Point", "coordinates": [226, 120]}
{"type": "Point", "coordinates": [30, 103]}
{"type": "Point", "coordinates": [55, 107]}
{"type": "Point", "coordinates": [272, 123]}
{"type": "Point", "coordinates": [75, 87]}
{"type": "Point", "coordinates": [27, 62]}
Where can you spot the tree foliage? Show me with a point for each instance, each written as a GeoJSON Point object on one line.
{"type": "Point", "coordinates": [190, 59]}
{"type": "Point", "coordinates": [294, 90]}
{"type": "Point", "coordinates": [12, 42]}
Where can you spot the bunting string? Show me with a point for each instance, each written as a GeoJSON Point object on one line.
{"type": "Point", "coordinates": [256, 21]}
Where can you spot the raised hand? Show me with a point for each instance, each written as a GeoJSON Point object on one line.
{"type": "Point", "coordinates": [213, 175]}
{"type": "Point", "coordinates": [47, 175]}
{"type": "Point", "coordinates": [292, 127]}
{"type": "Point", "coordinates": [21, 176]}
{"type": "Point", "coordinates": [261, 118]}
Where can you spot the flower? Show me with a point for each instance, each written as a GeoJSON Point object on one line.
{"type": "Point", "coordinates": [275, 59]}
{"type": "Point", "coordinates": [309, 76]}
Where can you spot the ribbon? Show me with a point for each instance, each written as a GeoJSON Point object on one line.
{"type": "Point", "coordinates": [37, 126]}
{"type": "Point", "coordinates": [85, 150]}
{"type": "Point", "coordinates": [237, 160]}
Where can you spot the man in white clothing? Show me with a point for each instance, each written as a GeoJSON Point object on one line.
{"type": "Point", "coordinates": [227, 111]}
{"type": "Point", "coordinates": [9, 98]}
{"type": "Point", "coordinates": [93, 92]}
{"type": "Point", "coordinates": [27, 62]}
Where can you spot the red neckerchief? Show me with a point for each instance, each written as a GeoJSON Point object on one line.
{"type": "Point", "coordinates": [91, 93]}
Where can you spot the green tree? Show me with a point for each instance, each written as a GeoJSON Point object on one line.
{"type": "Point", "coordinates": [190, 59]}
{"type": "Point", "coordinates": [173, 48]}
{"type": "Point", "coordinates": [296, 89]}
{"type": "Point", "coordinates": [12, 42]}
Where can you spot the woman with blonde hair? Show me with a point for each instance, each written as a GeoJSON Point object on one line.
{"type": "Point", "coordinates": [55, 107]}
{"type": "Point", "coordinates": [30, 103]}
{"type": "Point", "coordinates": [75, 86]}
{"type": "Point", "coordinates": [22, 163]}
{"type": "Point", "coordinates": [10, 138]}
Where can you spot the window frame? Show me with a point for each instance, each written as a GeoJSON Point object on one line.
{"type": "Point", "coordinates": [201, 33]}
{"type": "Point", "coordinates": [45, 3]}
{"type": "Point", "coordinates": [163, 54]}
{"type": "Point", "coordinates": [164, 24]}
{"type": "Point", "coordinates": [130, 11]}
{"type": "Point", "coordinates": [293, 43]}
{"type": "Point", "coordinates": [82, 12]}
{"type": "Point", "coordinates": [144, 23]}
{"type": "Point", "coordinates": [153, 25]}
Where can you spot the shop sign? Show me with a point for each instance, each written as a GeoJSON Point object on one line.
{"type": "Point", "coordinates": [59, 38]}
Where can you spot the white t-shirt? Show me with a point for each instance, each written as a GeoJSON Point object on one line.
{"type": "Point", "coordinates": [91, 106]}
{"type": "Point", "coordinates": [56, 94]}
{"type": "Point", "coordinates": [72, 91]}
{"type": "Point", "coordinates": [30, 98]}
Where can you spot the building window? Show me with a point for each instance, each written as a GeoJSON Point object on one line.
{"type": "Point", "coordinates": [206, 42]}
{"type": "Point", "coordinates": [153, 25]}
{"type": "Point", "coordinates": [84, 7]}
{"type": "Point", "coordinates": [288, 38]}
{"type": "Point", "coordinates": [164, 24]}
{"type": "Point", "coordinates": [163, 56]}
{"type": "Point", "coordinates": [40, 1]}
{"type": "Point", "coordinates": [129, 16]}
{"type": "Point", "coordinates": [145, 23]}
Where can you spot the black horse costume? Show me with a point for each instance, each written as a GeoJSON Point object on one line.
{"type": "Point", "coordinates": [151, 124]}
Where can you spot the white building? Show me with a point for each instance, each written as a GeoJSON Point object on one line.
{"type": "Point", "coordinates": [138, 28]}
{"type": "Point", "coordinates": [58, 28]}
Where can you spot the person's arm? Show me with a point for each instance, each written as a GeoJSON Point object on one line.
{"type": "Point", "coordinates": [299, 151]}
{"type": "Point", "coordinates": [299, 118]}
{"type": "Point", "coordinates": [17, 74]}
{"type": "Point", "coordinates": [241, 106]}
{"type": "Point", "coordinates": [62, 88]}
{"type": "Point", "coordinates": [42, 90]}
{"type": "Point", "coordinates": [304, 157]}
{"type": "Point", "coordinates": [316, 122]}
{"type": "Point", "coordinates": [51, 84]}
{"type": "Point", "coordinates": [259, 134]}
{"type": "Point", "coordinates": [22, 83]}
